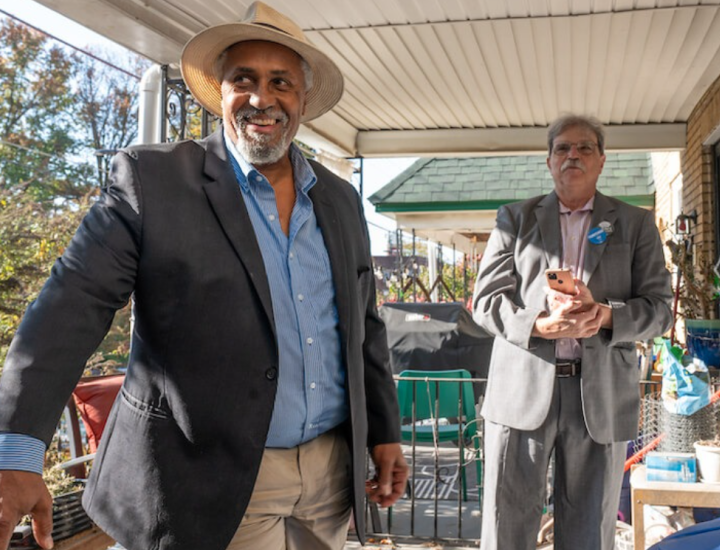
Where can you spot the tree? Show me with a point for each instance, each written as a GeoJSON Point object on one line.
{"type": "Point", "coordinates": [107, 107]}
{"type": "Point", "coordinates": [31, 237]}
{"type": "Point", "coordinates": [36, 117]}
{"type": "Point", "coordinates": [56, 110]}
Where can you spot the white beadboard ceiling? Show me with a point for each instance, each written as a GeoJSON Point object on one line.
{"type": "Point", "coordinates": [466, 77]}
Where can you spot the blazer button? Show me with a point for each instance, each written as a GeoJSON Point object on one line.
{"type": "Point", "coordinates": [271, 373]}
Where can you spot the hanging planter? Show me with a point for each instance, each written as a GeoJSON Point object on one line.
{"type": "Point", "coordinates": [702, 337]}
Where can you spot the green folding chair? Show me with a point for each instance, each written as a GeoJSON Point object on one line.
{"type": "Point", "coordinates": [424, 399]}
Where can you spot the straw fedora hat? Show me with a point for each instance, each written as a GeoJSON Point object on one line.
{"type": "Point", "coordinates": [261, 22]}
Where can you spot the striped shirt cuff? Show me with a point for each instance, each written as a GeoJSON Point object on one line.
{"type": "Point", "coordinates": [21, 452]}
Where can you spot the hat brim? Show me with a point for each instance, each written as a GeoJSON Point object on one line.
{"type": "Point", "coordinates": [200, 54]}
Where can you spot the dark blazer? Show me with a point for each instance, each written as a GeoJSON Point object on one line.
{"type": "Point", "coordinates": [183, 444]}
{"type": "Point", "coordinates": [628, 267]}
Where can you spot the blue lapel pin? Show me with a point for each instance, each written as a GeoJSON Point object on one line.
{"type": "Point", "coordinates": [597, 235]}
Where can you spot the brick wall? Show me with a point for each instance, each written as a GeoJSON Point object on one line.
{"type": "Point", "coordinates": [697, 168]}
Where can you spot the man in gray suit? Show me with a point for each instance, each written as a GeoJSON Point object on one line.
{"type": "Point", "coordinates": [564, 373]}
{"type": "Point", "coordinates": [259, 373]}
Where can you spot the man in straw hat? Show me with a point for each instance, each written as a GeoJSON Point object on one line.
{"type": "Point", "coordinates": [259, 371]}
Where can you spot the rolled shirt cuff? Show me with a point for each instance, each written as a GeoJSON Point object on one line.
{"type": "Point", "coordinates": [21, 452]}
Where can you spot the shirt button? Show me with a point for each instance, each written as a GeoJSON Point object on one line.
{"type": "Point", "coordinates": [301, 297]}
{"type": "Point", "coordinates": [312, 386]}
{"type": "Point", "coordinates": [271, 217]}
{"type": "Point", "coordinates": [271, 373]}
{"type": "Point", "coordinates": [258, 178]}
{"type": "Point", "coordinates": [292, 254]}
{"type": "Point", "coordinates": [309, 340]}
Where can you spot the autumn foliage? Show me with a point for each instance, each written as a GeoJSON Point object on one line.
{"type": "Point", "coordinates": [57, 107]}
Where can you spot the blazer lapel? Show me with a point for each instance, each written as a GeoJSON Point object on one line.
{"type": "Point", "coordinates": [226, 200]}
{"type": "Point", "coordinates": [333, 232]}
{"type": "Point", "coordinates": [603, 210]}
{"type": "Point", "coordinates": [547, 214]}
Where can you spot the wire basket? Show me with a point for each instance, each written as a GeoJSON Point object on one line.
{"type": "Point", "coordinates": [677, 432]}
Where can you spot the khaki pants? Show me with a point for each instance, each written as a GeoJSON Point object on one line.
{"type": "Point", "coordinates": [301, 499]}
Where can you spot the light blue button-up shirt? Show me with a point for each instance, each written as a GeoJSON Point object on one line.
{"type": "Point", "coordinates": [311, 396]}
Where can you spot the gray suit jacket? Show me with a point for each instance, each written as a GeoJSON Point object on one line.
{"type": "Point", "coordinates": [182, 447]}
{"type": "Point", "coordinates": [509, 295]}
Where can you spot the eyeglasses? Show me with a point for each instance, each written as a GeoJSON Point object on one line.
{"type": "Point", "coordinates": [585, 148]}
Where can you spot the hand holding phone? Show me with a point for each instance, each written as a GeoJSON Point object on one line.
{"type": "Point", "coordinates": [561, 280]}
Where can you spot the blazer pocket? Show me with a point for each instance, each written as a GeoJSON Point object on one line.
{"type": "Point", "coordinates": [626, 345]}
{"type": "Point", "coordinates": [142, 408]}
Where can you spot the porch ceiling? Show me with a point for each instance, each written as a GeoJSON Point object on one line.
{"type": "Point", "coordinates": [468, 77]}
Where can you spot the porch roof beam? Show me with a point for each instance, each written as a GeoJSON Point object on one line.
{"type": "Point", "coordinates": [511, 141]}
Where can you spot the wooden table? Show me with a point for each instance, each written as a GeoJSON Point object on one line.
{"type": "Point", "coordinates": [663, 493]}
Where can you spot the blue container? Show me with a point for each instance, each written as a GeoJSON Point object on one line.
{"type": "Point", "coordinates": [702, 337]}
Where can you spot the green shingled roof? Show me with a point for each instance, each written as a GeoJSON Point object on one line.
{"type": "Point", "coordinates": [485, 183]}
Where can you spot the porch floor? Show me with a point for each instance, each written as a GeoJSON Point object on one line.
{"type": "Point", "coordinates": [447, 535]}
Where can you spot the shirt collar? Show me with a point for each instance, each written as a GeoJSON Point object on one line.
{"type": "Point", "coordinates": [303, 173]}
{"type": "Point", "coordinates": [587, 207]}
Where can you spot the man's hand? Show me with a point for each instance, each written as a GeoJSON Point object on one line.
{"type": "Point", "coordinates": [586, 298]}
{"type": "Point", "coordinates": [24, 493]}
{"type": "Point", "coordinates": [579, 302]}
{"type": "Point", "coordinates": [568, 318]}
{"type": "Point", "coordinates": [391, 473]}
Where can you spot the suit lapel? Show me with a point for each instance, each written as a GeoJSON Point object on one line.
{"type": "Point", "coordinates": [332, 231]}
{"type": "Point", "coordinates": [548, 222]}
{"type": "Point", "coordinates": [603, 210]}
{"type": "Point", "coordinates": [226, 200]}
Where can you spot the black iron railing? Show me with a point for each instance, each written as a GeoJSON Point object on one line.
{"type": "Point", "coordinates": [442, 441]}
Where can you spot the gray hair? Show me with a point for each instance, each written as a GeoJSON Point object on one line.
{"type": "Point", "coordinates": [562, 123]}
{"type": "Point", "coordinates": [220, 65]}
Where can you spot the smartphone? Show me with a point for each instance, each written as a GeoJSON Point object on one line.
{"type": "Point", "coordinates": [561, 280]}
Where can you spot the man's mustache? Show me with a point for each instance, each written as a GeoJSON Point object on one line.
{"type": "Point", "coordinates": [572, 163]}
{"type": "Point", "coordinates": [244, 114]}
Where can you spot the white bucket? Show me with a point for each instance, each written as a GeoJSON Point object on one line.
{"type": "Point", "coordinates": [708, 458]}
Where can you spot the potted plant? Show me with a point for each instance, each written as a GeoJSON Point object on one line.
{"type": "Point", "coordinates": [708, 457]}
{"type": "Point", "coordinates": [697, 293]}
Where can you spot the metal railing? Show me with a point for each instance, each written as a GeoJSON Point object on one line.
{"type": "Point", "coordinates": [435, 507]}
{"type": "Point", "coordinates": [442, 442]}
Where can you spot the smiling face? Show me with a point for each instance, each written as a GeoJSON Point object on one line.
{"type": "Point", "coordinates": [263, 99]}
{"type": "Point", "coordinates": [575, 169]}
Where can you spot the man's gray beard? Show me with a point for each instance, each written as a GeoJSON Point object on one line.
{"type": "Point", "coordinates": [255, 148]}
{"type": "Point", "coordinates": [254, 151]}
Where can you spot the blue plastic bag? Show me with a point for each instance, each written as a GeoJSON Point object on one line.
{"type": "Point", "coordinates": [685, 383]}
